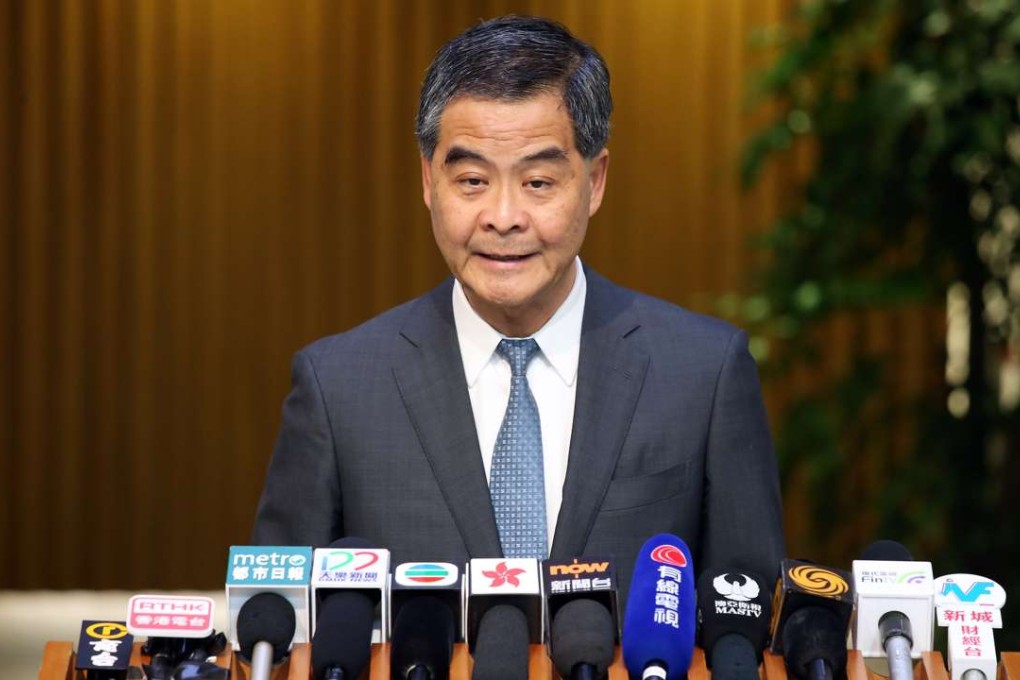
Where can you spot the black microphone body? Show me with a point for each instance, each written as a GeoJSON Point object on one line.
{"type": "Point", "coordinates": [734, 610]}
{"type": "Point", "coordinates": [422, 642]}
{"type": "Point", "coordinates": [733, 657]}
{"type": "Point", "coordinates": [502, 648]}
{"type": "Point", "coordinates": [582, 640]}
{"type": "Point", "coordinates": [814, 644]}
{"type": "Point", "coordinates": [342, 644]}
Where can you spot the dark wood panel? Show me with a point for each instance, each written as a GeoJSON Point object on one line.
{"type": "Point", "coordinates": [198, 189]}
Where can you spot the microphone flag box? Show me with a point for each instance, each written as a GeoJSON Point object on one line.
{"type": "Point", "coordinates": [592, 578]}
{"type": "Point", "coordinates": [439, 579]}
{"type": "Point", "coordinates": [284, 570]}
{"type": "Point", "coordinates": [104, 646]}
{"type": "Point", "coordinates": [892, 586]}
{"type": "Point", "coordinates": [968, 606]}
{"type": "Point", "coordinates": [968, 599]}
{"type": "Point", "coordinates": [504, 580]}
{"type": "Point", "coordinates": [170, 616]}
{"type": "Point", "coordinates": [805, 583]}
{"type": "Point", "coordinates": [353, 569]}
{"type": "Point", "coordinates": [971, 648]}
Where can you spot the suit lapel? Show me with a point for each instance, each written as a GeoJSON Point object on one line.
{"type": "Point", "coordinates": [434, 391]}
{"type": "Point", "coordinates": [611, 371]}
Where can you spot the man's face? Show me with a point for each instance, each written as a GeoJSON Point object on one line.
{"type": "Point", "coordinates": [510, 197]}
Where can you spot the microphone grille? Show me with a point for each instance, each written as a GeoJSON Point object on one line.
{"type": "Point", "coordinates": [582, 632]}
{"type": "Point", "coordinates": [266, 617]}
{"type": "Point", "coordinates": [887, 551]}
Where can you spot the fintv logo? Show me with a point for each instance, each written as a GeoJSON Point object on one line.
{"type": "Point", "coordinates": [915, 577]}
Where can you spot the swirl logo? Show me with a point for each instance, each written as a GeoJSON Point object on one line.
{"type": "Point", "coordinates": [819, 581]}
{"type": "Point", "coordinates": [669, 554]}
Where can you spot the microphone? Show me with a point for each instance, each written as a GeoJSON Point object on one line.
{"type": "Point", "coordinates": [658, 627]}
{"type": "Point", "coordinates": [592, 578]}
{"type": "Point", "coordinates": [104, 650]}
{"type": "Point", "coordinates": [284, 570]}
{"type": "Point", "coordinates": [814, 644]}
{"type": "Point", "coordinates": [265, 630]}
{"type": "Point", "coordinates": [348, 566]}
{"type": "Point", "coordinates": [968, 606]}
{"type": "Point", "coordinates": [494, 587]}
{"type": "Point", "coordinates": [734, 609]}
{"type": "Point", "coordinates": [894, 597]}
{"type": "Point", "coordinates": [180, 632]}
{"type": "Point", "coordinates": [342, 638]}
{"type": "Point", "coordinates": [422, 643]}
{"type": "Point", "coordinates": [501, 645]}
{"type": "Point", "coordinates": [441, 580]}
{"type": "Point", "coordinates": [581, 640]}
{"type": "Point", "coordinates": [826, 596]}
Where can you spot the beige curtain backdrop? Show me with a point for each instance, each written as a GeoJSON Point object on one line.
{"type": "Point", "coordinates": [194, 189]}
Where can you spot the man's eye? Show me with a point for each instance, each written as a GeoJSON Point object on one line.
{"type": "Point", "coordinates": [538, 184]}
{"type": "Point", "coordinates": [473, 182]}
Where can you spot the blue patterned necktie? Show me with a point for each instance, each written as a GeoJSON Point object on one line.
{"type": "Point", "coordinates": [517, 478]}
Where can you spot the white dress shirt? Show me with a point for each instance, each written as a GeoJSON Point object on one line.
{"type": "Point", "coordinates": [552, 376]}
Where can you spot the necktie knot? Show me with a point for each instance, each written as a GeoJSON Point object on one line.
{"type": "Point", "coordinates": [518, 353]}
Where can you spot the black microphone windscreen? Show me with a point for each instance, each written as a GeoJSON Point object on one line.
{"type": "Point", "coordinates": [266, 617]}
{"type": "Point", "coordinates": [582, 632]}
{"type": "Point", "coordinates": [734, 658]}
{"type": "Point", "coordinates": [887, 551]}
{"type": "Point", "coordinates": [733, 601]}
{"type": "Point", "coordinates": [343, 633]}
{"type": "Point", "coordinates": [423, 635]}
{"type": "Point", "coordinates": [502, 649]}
{"type": "Point", "coordinates": [813, 633]}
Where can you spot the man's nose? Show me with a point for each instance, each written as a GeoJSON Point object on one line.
{"type": "Point", "coordinates": [504, 211]}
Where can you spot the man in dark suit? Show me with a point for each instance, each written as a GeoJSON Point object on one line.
{"type": "Point", "coordinates": [626, 416]}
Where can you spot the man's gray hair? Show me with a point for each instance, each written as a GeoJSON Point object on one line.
{"type": "Point", "coordinates": [513, 59]}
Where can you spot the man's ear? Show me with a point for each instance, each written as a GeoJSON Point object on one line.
{"type": "Point", "coordinates": [598, 167]}
{"type": "Point", "coordinates": [426, 181]}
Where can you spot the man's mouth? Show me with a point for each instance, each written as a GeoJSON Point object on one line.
{"type": "Point", "coordinates": [504, 258]}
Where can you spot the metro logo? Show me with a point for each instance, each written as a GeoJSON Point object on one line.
{"type": "Point", "coordinates": [268, 559]}
{"type": "Point", "coordinates": [268, 566]}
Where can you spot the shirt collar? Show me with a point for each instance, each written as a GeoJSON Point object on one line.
{"type": "Point", "coordinates": [559, 339]}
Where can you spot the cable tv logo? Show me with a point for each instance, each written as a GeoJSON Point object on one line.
{"type": "Point", "coordinates": [669, 554]}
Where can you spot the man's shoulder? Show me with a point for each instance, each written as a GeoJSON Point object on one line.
{"type": "Point", "coordinates": [382, 333]}
{"type": "Point", "coordinates": [658, 317]}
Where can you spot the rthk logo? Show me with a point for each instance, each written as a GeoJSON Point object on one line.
{"type": "Point", "coordinates": [503, 575]}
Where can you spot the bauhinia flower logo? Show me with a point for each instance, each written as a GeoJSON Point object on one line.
{"type": "Point", "coordinates": [503, 575]}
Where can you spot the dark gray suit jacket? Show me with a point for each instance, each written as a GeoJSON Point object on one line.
{"type": "Point", "coordinates": [670, 434]}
